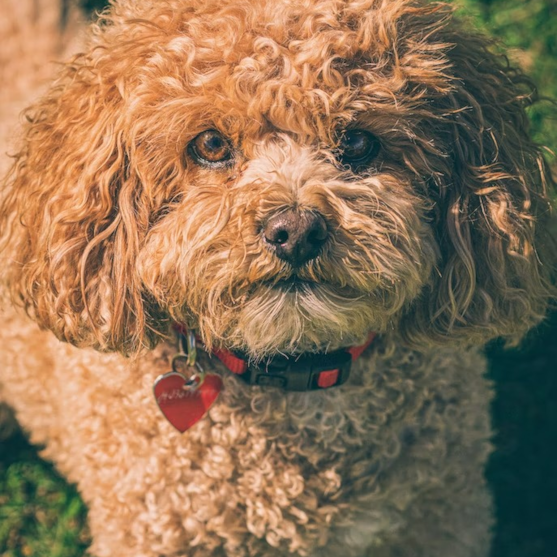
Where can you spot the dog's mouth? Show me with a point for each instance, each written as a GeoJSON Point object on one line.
{"type": "Point", "coordinates": [293, 284]}
{"type": "Point", "coordinates": [301, 286]}
{"type": "Point", "coordinates": [295, 315]}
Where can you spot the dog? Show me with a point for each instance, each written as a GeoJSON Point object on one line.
{"type": "Point", "coordinates": [251, 255]}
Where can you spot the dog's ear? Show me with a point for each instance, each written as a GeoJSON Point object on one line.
{"type": "Point", "coordinates": [74, 212]}
{"type": "Point", "coordinates": [492, 203]}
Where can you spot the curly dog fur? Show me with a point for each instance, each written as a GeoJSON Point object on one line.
{"type": "Point", "coordinates": [112, 231]}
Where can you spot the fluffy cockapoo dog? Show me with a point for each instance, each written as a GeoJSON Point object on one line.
{"type": "Point", "coordinates": [331, 202]}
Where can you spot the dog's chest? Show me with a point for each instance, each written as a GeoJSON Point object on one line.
{"type": "Point", "coordinates": [328, 443]}
{"type": "Point", "coordinates": [283, 467]}
{"type": "Point", "coordinates": [263, 469]}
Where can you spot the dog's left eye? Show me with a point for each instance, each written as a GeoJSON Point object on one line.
{"type": "Point", "coordinates": [210, 148]}
{"type": "Point", "coordinates": [358, 148]}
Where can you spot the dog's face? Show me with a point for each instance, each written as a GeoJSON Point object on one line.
{"type": "Point", "coordinates": [291, 221]}
{"type": "Point", "coordinates": [281, 176]}
{"type": "Point", "coordinates": [281, 247]}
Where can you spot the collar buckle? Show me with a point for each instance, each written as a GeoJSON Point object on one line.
{"type": "Point", "coordinates": [307, 373]}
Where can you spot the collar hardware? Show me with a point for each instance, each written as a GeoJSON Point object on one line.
{"type": "Point", "coordinates": [307, 373]}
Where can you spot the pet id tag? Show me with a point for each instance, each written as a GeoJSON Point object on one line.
{"type": "Point", "coordinates": [185, 400]}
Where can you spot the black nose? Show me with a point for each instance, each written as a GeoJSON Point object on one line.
{"type": "Point", "coordinates": [295, 236]}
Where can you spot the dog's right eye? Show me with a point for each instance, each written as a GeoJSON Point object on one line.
{"type": "Point", "coordinates": [210, 148]}
{"type": "Point", "coordinates": [358, 148]}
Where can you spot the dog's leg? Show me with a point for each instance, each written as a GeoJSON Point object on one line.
{"type": "Point", "coordinates": [431, 498]}
{"type": "Point", "coordinates": [452, 517]}
{"type": "Point", "coordinates": [460, 527]}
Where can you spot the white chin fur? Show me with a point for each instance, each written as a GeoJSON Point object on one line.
{"type": "Point", "coordinates": [304, 319]}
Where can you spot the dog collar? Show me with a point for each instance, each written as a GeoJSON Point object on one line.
{"type": "Point", "coordinates": [306, 372]}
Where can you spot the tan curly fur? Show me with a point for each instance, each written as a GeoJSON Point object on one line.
{"type": "Point", "coordinates": [111, 231]}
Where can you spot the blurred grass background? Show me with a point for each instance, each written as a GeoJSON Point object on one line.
{"type": "Point", "coordinates": [40, 515]}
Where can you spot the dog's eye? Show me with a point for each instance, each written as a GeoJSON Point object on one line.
{"type": "Point", "coordinates": [358, 148]}
{"type": "Point", "coordinates": [210, 148]}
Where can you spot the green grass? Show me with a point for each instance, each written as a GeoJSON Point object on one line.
{"type": "Point", "coordinates": [528, 31]}
{"type": "Point", "coordinates": [40, 515]}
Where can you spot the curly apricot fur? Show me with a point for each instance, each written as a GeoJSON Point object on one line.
{"type": "Point", "coordinates": [111, 231]}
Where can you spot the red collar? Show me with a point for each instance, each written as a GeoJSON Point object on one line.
{"type": "Point", "coordinates": [307, 372]}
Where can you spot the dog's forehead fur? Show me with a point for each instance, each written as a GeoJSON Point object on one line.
{"type": "Point", "coordinates": [304, 68]}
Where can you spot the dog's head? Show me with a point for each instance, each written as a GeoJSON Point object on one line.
{"type": "Point", "coordinates": [281, 176]}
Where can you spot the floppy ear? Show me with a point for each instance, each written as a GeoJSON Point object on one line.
{"type": "Point", "coordinates": [74, 213]}
{"type": "Point", "coordinates": [492, 206]}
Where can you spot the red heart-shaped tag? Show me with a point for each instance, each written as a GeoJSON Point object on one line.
{"type": "Point", "coordinates": [183, 405]}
